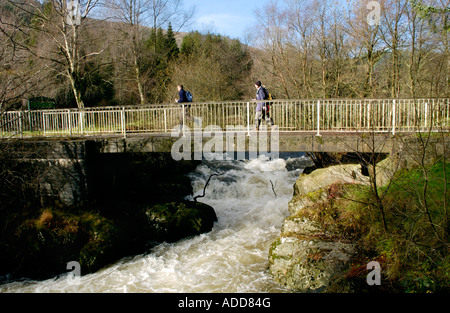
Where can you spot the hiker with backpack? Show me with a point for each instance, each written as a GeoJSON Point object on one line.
{"type": "Point", "coordinates": [184, 97]}
{"type": "Point", "coordinates": [262, 108]}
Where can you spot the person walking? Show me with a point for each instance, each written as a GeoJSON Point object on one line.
{"type": "Point", "coordinates": [186, 112]}
{"type": "Point", "coordinates": [262, 108]}
{"type": "Point", "coordinates": [181, 94]}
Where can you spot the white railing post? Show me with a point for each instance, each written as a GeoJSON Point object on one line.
{"type": "Point", "coordinates": [69, 120]}
{"type": "Point", "coordinates": [394, 117]}
{"type": "Point", "coordinates": [20, 125]}
{"type": "Point", "coordinates": [248, 118]}
{"type": "Point", "coordinates": [434, 115]}
{"type": "Point", "coordinates": [318, 118]}
{"type": "Point", "coordinates": [184, 120]}
{"type": "Point", "coordinates": [44, 123]}
{"type": "Point", "coordinates": [124, 127]}
{"type": "Point", "coordinates": [82, 122]}
{"type": "Point", "coordinates": [165, 120]}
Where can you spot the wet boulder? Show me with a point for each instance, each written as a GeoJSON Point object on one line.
{"type": "Point", "coordinates": [171, 222]}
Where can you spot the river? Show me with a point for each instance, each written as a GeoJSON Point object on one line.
{"type": "Point", "coordinates": [251, 202]}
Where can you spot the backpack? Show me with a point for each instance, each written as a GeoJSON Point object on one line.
{"type": "Point", "coordinates": [189, 96]}
{"type": "Point", "coordinates": [267, 94]}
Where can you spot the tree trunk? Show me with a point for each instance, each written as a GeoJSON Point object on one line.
{"type": "Point", "coordinates": [278, 69]}
{"type": "Point", "coordinates": [138, 81]}
{"type": "Point", "coordinates": [137, 70]}
{"type": "Point", "coordinates": [323, 57]}
{"type": "Point", "coordinates": [75, 90]}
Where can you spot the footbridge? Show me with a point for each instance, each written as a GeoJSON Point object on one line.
{"type": "Point", "coordinates": [356, 125]}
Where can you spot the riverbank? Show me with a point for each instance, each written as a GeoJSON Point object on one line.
{"type": "Point", "coordinates": [250, 199]}
{"type": "Point", "coordinates": [340, 221]}
{"type": "Point", "coordinates": [135, 201]}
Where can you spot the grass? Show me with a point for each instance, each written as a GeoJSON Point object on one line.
{"type": "Point", "coordinates": [413, 251]}
{"type": "Point", "coordinates": [415, 247]}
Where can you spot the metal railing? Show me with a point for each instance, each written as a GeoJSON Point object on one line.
{"type": "Point", "coordinates": [364, 115]}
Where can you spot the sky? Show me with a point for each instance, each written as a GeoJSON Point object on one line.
{"type": "Point", "coordinates": [225, 17]}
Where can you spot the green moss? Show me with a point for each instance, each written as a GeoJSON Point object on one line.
{"type": "Point", "coordinates": [413, 252]}
{"type": "Point", "coordinates": [57, 237]}
{"type": "Point", "coordinates": [315, 195]}
{"type": "Point", "coordinates": [319, 139]}
{"type": "Point", "coordinates": [176, 220]}
{"type": "Point", "coordinates": [273, 256]}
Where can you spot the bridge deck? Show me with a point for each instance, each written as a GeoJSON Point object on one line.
{"type": "Point", "coordinates": [234, 142]}
{"type": "Point", "coordinates": [300, 116]}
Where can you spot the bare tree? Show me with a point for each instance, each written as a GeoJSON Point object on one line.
{"type": "Point", "coordinates": [133, 14]}
{"type": "Point", "coordinates": [436, 14]}
{"type": "Point", "coordinates": [163, 12]}
{"type": "Point", "coordinates": [418, 34]}
{"type": "Point", "coordinates": [300, 25]}
{"type": "Point", "coordinates": [137, 16]}
{"type": "Point", "coordinates": [321, 39]}
{"type": "Point", "coordinates": [18, 79]}
{"type": "Point", "coordinates": [332, 49]}
{"type": "Point", "coordinates": [392, 33]}
{"type": "Point", "coordinates": [339, 50]}
{"type": "Point", "coordinates": [271, 36]}
{"type": "Point", "coordinates": [57, 25]}
{"type": "Point", "coordinates": [365, 43]}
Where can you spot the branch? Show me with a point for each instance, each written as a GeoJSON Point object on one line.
{"type": "Point", "coordinates": [273, 189]}
{"type": "Point", "coordinates": [92, 54]}
{"type": "Point", "coordinates": [206, 185]}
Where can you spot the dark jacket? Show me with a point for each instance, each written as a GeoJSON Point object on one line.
{"type": "Point", "coordinates": [182, 96]}
{"type": "Point", "coordinates": [260, 96]}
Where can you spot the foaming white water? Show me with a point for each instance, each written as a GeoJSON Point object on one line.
{"type": "Point", "coordinates": [250, 199]}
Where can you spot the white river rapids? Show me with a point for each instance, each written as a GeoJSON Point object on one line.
{"type": "Point", "coordinates": [251, 202]}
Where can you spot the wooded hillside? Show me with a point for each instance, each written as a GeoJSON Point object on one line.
{"type": "Point", "coordinates": [125, 52]}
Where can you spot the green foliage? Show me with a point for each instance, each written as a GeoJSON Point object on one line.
{"type": "Point", "coordinates": [415, 257]}
{"type": "Point", "coordinates": [417, 190]}
{"type": "Point", "coordinates": [432, 14]}
{"type": "Point", "coordinates": [103, 237]}
{"type": "Point", "coordinates": [96, 85]}
{"type": "Point", "coordinates": [176, 220]}
{"type": "Point", "coordinates": [191, 44]}
{"type": "Point", "coordinates": [171, 46]}
{"type": "Point", "coordinates": [341, 212]}
{"type": "Point", "coordinates": [45, 244]}
{"type": "Point", "coordinates": [213, 67]}
{"type": "Point", "coordinates": [160, 53]}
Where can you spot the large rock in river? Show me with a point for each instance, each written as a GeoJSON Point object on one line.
{"type": "Point", "coordinates": [324, 177]}
{"type": "Point", "coordinates": [309, 256]}
{"type": "Point", "coordinates": [174, 221]}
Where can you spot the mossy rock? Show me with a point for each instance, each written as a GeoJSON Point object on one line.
{"type": "Point", "coordinates": [55, 238]}
{"type": "Point", "coordinates": [299, 202]}
{"type": "Point", "coordinates": [174, 221]}
{"type": "Point", "coordinates": [104, 244]}
{"type": "Point", "coordinates": [322, 178]}
{"type": "Point", "coordinates": [95, 255]}
{"type": "Point", "coordinates": [47, 243]}
{"type": "Point", "coordinates": [307, 264]}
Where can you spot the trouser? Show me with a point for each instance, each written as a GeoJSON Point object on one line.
{"type": "Point", "coordinates": [186, 115]}
{"type": "Point", "coordinates": [260, 115]}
